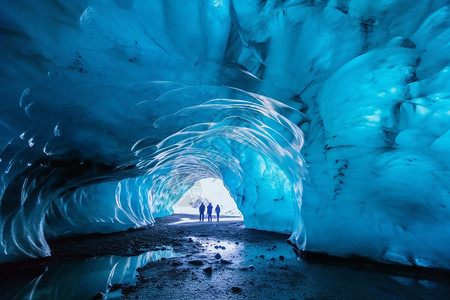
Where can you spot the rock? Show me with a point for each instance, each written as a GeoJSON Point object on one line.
{"type": "Point", "coordinates": [176, 264]}
{"type": "Point", "coordinates": [128, 289]}
{"type": "Point", "coordinates": [251, 282]}
{"type": "Point", "coordinates": [251, 267]}
{"type": "Point", "coordinates": [281, 257]}
{"type": "Point", "coordinates": [236, 289]}
{"type": "Point", "coordinates": [163, 248]}
{"type": "Point", "coordinates": [115, 287]}
{"type": "Point", "coordinates": [262, 256]}
{"type": "Point", "coordinates": [218, 256]}
{"type": "Point", "coordinates": [208, 270]}
{"type": "Point", "coordinates": [99, 296]}
{"type": "Point", "coordinates": [243, 269]}
{"type": "Point", "coordinates": [407, 43]}
{"type": "Point", "coordinates": [225, 262]}
{"type": "Point", "coordinates": [272, 258]}
{"type": "Point", "coordinates": [237, 243]}
{"type": "Point", "coordinates": [190, 240]}
{"type": "Point", "coordinates": [196, 262]}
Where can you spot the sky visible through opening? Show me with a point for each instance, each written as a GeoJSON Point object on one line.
{"type": "Point", "coordinates": [207, 190]}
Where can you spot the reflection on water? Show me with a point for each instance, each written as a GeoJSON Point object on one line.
{"type": "Point", "coordinates": [83, 279]}
{"type": "Point", "coordinates": [228, 250]}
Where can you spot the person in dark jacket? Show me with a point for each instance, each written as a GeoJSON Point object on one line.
{"type": "Point", "coordinates": [217, 212]}
{"type": "Point", "coordinates": [209, 211]}
{"type": "Point", "coordinates": [201, 209]}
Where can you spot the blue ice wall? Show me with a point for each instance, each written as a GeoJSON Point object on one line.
{"type": "Point", "coordinates": [111, 111]}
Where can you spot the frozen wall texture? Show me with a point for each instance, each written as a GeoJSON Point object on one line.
{"type": "Point", "coordinates": [326, 119]}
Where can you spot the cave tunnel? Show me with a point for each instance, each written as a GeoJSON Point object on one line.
{"type": "Point", "coordinates": [324, 120]}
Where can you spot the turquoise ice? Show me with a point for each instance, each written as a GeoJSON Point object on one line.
{"type": "Point", "coordinates": [329, 120]}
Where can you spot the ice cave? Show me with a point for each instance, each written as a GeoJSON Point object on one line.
{"type": "Point", "coordinates": [328, 120]}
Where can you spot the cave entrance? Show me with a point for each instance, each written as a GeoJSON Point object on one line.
{"type": "Point", "coordinates": [207, 190]}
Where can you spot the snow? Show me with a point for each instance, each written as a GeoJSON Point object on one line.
{"type": "Point", "coordinates": [208, 190]}
{"type": "Point", "coordinates": [325, 119]}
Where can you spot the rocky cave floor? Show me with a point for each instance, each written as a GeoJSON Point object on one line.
{"type": "Point", "coordinates": [222, 260]}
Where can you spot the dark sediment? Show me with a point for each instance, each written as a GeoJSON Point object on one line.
{"type": "Point", "coordinates": [250, 264]}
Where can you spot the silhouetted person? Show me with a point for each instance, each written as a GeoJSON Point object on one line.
{"type": "Point", "coordinates": [201, 209]}
{"type": "Point", "coordinates": [217, 212]}
{"type": "Point", "coordinates": [209, 211]}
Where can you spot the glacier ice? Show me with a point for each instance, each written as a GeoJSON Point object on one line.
{"type": "Point", "coordinates": [325, 119]}
{"type": "Point", "coordinates": [64, 280]}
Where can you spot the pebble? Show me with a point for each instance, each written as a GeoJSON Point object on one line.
{"type": "Point", "coordinates": [225, 262]}
{"type": "Point", "coordinates": [208, 270]}
{"type": "Point", "coordinates": [281, 257]}
{"type": "Point", "coordinates": [251, 267]}
{"type": "Point", "coordinates": [218, 256]}
{"type": "Point", "coordinates": [176, 263]}
{"type": "Point", "coordinates": [236, 289]}
{"type": "Point", "coordinates": [196, 262]}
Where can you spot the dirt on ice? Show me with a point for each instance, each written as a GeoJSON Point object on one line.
{"type": "Point", "coordinates": [224, 260]}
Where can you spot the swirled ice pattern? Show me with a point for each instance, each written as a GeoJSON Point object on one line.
{"type": "Point", "coordinates": [111, 111]}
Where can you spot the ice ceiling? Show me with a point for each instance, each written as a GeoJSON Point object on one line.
{"type": "Point", "coordinates": [327, 119]}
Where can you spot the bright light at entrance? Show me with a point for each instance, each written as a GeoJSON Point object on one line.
{"type": "Point", "coordinates": [207, 190]}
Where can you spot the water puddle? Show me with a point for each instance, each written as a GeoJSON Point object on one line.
{"type": "Point", "coordinates": [83, 279]}
{"type": "Point", "coordinates": [246, 252]}
{"type": "Point", "coordinates": [228, 250]}
{"type": "Point", "coordinates": [224, 248]}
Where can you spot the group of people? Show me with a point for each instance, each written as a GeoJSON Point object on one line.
{"type": "Point", "coordinates": [209, 211]}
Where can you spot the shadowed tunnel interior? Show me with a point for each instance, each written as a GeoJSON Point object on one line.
{"type": "Point", "coordinates": [327, 120]}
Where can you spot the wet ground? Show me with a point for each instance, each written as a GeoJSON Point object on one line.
{"type": "Point", "coordinates": [180, 258]}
